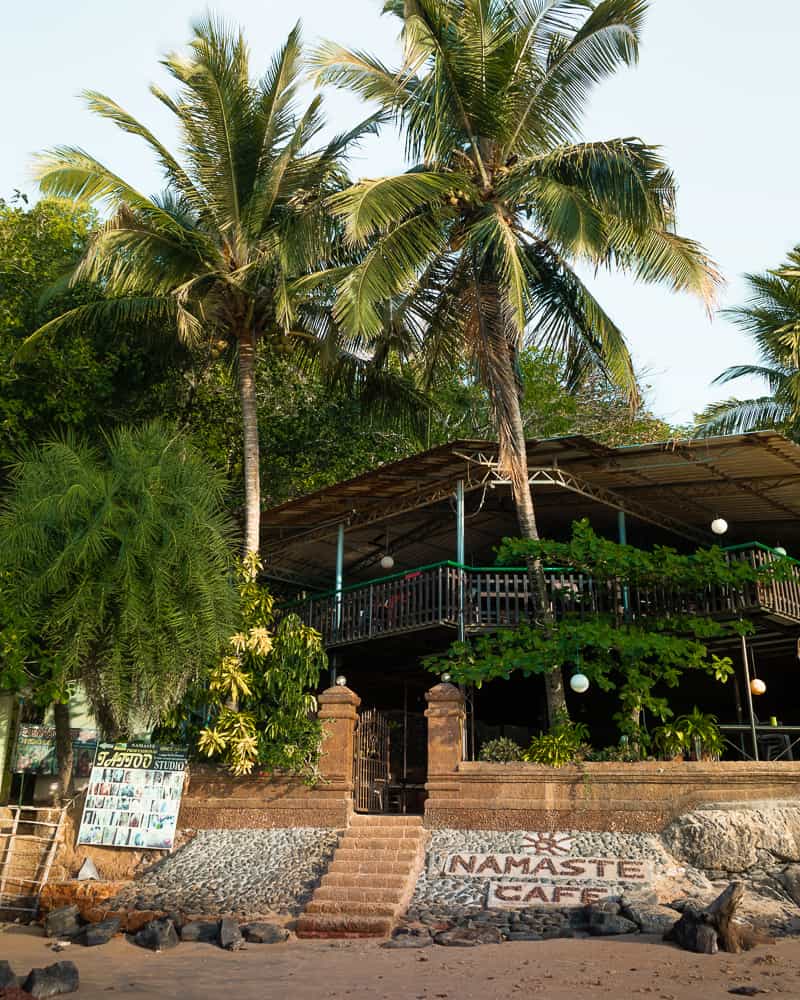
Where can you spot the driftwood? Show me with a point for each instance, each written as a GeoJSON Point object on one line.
{"type": "Point", "coordinates": [707, 930]}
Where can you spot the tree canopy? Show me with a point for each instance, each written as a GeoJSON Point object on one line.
{"type": "Point", "coordinates": [116, 570]}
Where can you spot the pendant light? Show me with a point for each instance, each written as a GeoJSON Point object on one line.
{"type": "Point", "coordinates": [387, 562]}
{"type": "Point", "coordinates": [719, 526]}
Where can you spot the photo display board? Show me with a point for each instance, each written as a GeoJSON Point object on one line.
{"type": "Point", "coordinates": [134, 796]}
{"type": "Point", "coordinates": [35, 752]}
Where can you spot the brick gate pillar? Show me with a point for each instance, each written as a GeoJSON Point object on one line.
{"type": "Point", "coordinates": [445, 714]}
{"type": "Point", "coordinates": [337, 713]}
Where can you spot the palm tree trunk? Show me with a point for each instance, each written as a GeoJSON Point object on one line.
{"type": "Point", "coordinates": [252, 482]}
{"type": "Point", "coordinates": [517, 459]}
{"type": "Point", "coordinates": [61, 721]}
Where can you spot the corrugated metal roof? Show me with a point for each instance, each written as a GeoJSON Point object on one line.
{"type": "Point", "coordinates": [753, 480]}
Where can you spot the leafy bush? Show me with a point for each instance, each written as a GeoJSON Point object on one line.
{"type": "Point", "coordinates": [500, 751]}
{"type": "Point", "coordinates": [623, 753]}
{"type": "Point", "coordinates": [702, 733]}
{"type": "Point", "coordinates": [564, 744]}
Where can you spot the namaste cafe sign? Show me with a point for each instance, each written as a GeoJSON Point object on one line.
{"type": "Point", "coordinates": [547, 873]}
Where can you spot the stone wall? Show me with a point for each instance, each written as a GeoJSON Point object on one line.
{"type": "Point", "coordinates": [215, 800]}
{"type": "Point", "coordinates": [642, 797]}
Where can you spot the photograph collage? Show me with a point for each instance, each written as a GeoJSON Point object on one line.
{"type": "Point", "coordinates": [131, 808]}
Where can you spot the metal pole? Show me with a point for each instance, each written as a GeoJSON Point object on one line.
{"type": "Point", "coordinates": [339, 576]}
{"type": "Point", "coordinates": [622, 531]}
{"type": "Point", "coordinates": [749, 698]}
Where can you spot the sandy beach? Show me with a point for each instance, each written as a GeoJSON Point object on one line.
{"type": "Point", "coordinates": [307, 970]}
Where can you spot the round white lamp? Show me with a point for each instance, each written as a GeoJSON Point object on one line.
{"type": "Point", "coordinates": [341, 681]}
{"type": "Point", "coordinates": [719, 525]}
{"type": "Point", "coordinates": [387, 562]}
{"type": "Point", "coordinates": [757, 686]}
{"type": "Point", "coordinates": [779, 550]}
{"type": "Point", "coordinates": [445, 678]}
{"type": "Point", "coordinates": [579, 683]}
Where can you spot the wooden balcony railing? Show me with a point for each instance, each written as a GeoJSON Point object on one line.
{"type": "Point", "coordinates": [500, 598]}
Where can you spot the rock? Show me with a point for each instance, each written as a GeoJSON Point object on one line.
{"type": "Point", "coordinates": [261, 933]}
{"type": "Point", "coordinates": [94, 934]}
{"type": "Point", "coordinates": [7, 977]}
{"type": "Point", "coordinates": [604, 906]}
{"type": "Point", "coordinates": [528, 935]}
{"type": "Point", "coordinates": [651, 919]}
{"type": "Point", "coordinates": [735, 840]}
{"type": "Point", "coordinates": [65, 922]}
{"type": "Point", "coordinates": [789, 878]}
{"type": "Point", "coordinates": [409, 937]}
{"type": "Point", "coordinates": [200, 930]}
{"type": "Point", "coordinates": [230, 937]}
{"type": "Point", "coordinates": [53, 980]}
{"type": "Point", "coordinates": [88, 871]}
{"type": "Point", "coordinates": [158, 935]}
{"type": "Point", "coordinates": [606, 924]}
{"type": "Point", "coordinates": [13, 993]}
{"type": "Point", "coordinates": [468, 937]}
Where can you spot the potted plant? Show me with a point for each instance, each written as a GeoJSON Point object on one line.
{"type": "Point", "coordinates": [671, 741]}
{"type": "Point", "coordinates": [702, 734]}
{"type": "Point", "coordinates": [500, 751]}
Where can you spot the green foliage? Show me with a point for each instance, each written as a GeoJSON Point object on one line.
{"type": "Point", "coordinates": [627, 752]}
{"type": "Point", "coordinates": [587, 552]}
{"type": "Point", "coordinates": [565, 743]}
{"type": "Point", "coordinates": [771, 319]}
{"type": "Point", "coordinates": [115, 568]}
{"type": "Point", "coordinates": [633, 658]}
{"type": "Point", "coordinates": [702, 733]}
{"type": "Point", "coordinates": [86, 381]}
{"type": "Point", "coordinates": [500, 751]}
{"type": "Point", "coordinates": [474, 248]}
{"type": "Point", "coordinates": [670, 740]}
{"type": "Point", "coordinates": [259, 702]}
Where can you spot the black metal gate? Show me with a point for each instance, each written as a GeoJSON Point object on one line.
{"type": "Point", "coordinates": [371, 763]}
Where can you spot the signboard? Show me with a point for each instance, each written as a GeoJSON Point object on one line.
{"type": "Point", "coordinates": [35, 752]}
{"type": "Point", "coordinates": [134, 796]}
{"type": "Point", "coordinates": [546, 873]}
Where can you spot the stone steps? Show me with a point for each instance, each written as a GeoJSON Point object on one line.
{"type": "Point", "coordinates": [369, 881]}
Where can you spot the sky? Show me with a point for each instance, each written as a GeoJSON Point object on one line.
{"type": "Point", "coordinates": [716, 86]}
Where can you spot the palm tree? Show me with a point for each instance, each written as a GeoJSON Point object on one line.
{"type": "Point", "coordinates": [118, 561]}
{"type": "Point", "coordinates": [772, 319]}
{"type": "Point", "coordinates": [477, 240]}
{"type": "Point", "coordinates": [215, 257]}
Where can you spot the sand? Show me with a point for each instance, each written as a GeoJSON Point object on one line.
{"type": "Point", "coordinates": [627, 967]}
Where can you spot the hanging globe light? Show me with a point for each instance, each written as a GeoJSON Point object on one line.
{"type": "Point", "coordinates": [779, 550]}
{"type": "Point", "coordinates": [445, 678]}
{"type": "Point", "coordinates": [719, 525]}
{"type": "Point", "coordinates": [387, 562]}
{"type": "Point", "coordinates": [579, 683]}
{"type": "Point", "coordinates": [757, 686]}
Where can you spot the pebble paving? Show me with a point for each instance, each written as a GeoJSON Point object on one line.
{"type": "Point", "coordinates": [241, 872]}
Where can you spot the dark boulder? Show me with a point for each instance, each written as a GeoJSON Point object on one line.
{"type": "Point", "coordinates": [468, 937]}
{"type": "Point", "coordinates": [7, 977]}
{"type": "Point", "coordinates": [261, 933]}
{"type": "Point", "coordinates": [53, 980]}
{"type": "Point", "coordinates": [409, 937]}
{"type": "Point", "coordinates": [230, 937]}
{"type": "Point", "coordinates": [158, 935]}
{"type": "Point", "coordinates": [65, 922]}
{"type": "Point", "coordinates": [607, 924]}
{"type": "Point", "coordinates": [200, 930]}
{"type": "Point", "coordinates": [100, 933]}
{"type": "Point", "coordinates": [651, 919]}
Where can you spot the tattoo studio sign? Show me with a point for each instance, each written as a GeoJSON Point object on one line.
{"type": "Point", "coordinates": [546, 873]}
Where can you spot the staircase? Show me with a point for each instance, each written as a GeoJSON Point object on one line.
{"type": "Point", "coordinates": [370, 881]}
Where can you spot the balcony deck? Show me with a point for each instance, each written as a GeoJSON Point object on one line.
{"type": "Point", "coordinates": [493, 598]}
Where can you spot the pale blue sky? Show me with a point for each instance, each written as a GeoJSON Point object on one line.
{"type": "Point", "coordinates": [717, 87]}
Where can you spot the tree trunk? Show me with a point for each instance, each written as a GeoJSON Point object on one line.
{"type": "Point", "coordinates": [252, 482]}
{"type": "Point", "coordinates": [63, 729]}
{"type": "Point", "coordinates": [707, 930]}
{"type": "Point", "coordinates": [517, 458]}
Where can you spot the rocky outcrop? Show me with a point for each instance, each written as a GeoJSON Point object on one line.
{"type": "Point", "coordinates": [736, 838]}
